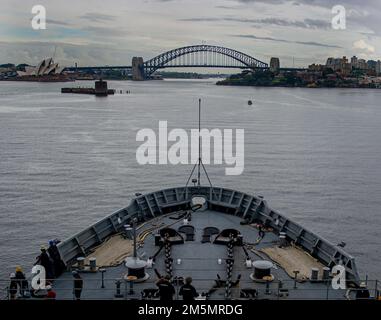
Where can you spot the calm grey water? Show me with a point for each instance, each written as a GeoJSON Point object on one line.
{"type": "Point", "coordinates": [68, 160]}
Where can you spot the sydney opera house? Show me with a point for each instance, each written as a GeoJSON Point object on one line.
{"type": "Point", "coordinates": [46, 70]}
{"type": "Point", "coordinates": [45, 67]}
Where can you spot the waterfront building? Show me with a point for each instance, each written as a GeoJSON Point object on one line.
{"type": "Point", "coordinates": [329, 62]}
{"type": "Point", "coordinates": [354, 62]}
{"type": "Point", "coordinates": [337, 64]}
{"type": "Point", "coordinates": [6, 73]}
{"type": "Point", "coordinates": [316, 67]}
{"type": "Point", "coordinates": [5, 70]}
{"type": "Point", "coordinates": [378, 67]}
{"type": "Point", "coordinates": [340, 64]}
{"type": "Point", "coordinates": [362, 64]}
{"type": "Point", "coordinates": [372, 64]}
{"type": "Point", "coordinates": [309, 76]}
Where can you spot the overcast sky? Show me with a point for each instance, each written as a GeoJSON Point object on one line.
{"type": "Point", "coordinates": [111, 32]}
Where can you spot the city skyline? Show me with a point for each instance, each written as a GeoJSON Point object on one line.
{"type": "Point", "coordinates": [96, 33]}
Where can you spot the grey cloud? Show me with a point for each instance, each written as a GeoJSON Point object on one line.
{"type": "Point", "coordinates": [227, 7]}
{"type": "Point", "coordinates": [318, 44]}
{"type": "Point", "coordinates": [264, 1]}
{"type": "Point", "coordinates": [319, 24]}
{"type": "Point", "coordinates": [306, 23]}
{"type": "Point", "coordinates": [105, 32]}
{"type": "Point", "coordinates": [320, 3]}
{"type": "Point", "coordinates": [364, 13]}
{"type": "Point", "coordinates": [67, 54]}
{"type": "Point", "coordinates": [57, 22]}
{"type": "Point", "coordinates": [206, 19]}
{"type": "Point", "coordinates": [306, 43]}
{"type": "Point", "coordinates": [331, 3]}
{"type": "Point", "coordinates": [370, 21]}
{"type": "Point", "coordinates": [97, 17]}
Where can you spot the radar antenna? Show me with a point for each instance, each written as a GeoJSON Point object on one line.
{"type": "Point", "coordinates": [199, 164]}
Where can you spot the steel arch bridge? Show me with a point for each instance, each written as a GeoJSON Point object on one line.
{"type": "Point", "coordinates": [191, 56]}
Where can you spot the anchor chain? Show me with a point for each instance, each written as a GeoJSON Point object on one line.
{"type": "Point", "coordinates": [168, 258]}
{"type": "Point", "coordinates": [229, 268]}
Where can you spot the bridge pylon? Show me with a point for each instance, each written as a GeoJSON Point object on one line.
{"type": "Point", "coordinates": [138, 69]}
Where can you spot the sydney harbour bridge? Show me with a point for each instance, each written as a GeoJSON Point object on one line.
{"type": "Point", "coordinates": [205, 56]}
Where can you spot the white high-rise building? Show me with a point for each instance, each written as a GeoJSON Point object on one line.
{"type": "Point", "coordinates": [362, 64]}
{"type": "Point", "coordinates": [378, 68]}
{"type": "Point", "coordinates": [354, 62]}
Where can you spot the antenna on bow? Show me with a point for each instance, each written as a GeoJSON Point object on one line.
{"type": "Point", "coordinates": [199, 164]}
{"type": "Point", "coordinates": [199, 144]}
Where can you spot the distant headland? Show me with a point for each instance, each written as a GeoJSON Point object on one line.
{"type": "Point", "coordinates": [336, 73]}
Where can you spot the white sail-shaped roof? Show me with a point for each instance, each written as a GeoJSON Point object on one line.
{"type": "Point", "coordinates": [51, 69]}
{"type": "Point", "coordinates": [45, 67]}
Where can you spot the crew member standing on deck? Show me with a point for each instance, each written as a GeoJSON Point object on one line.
{"type": "Point", "coordinates": [77, 285]}
{"type": "Point", "coordinates": [12, 287]}
{"type": "Point", "coordinates": [57, 263]}
{"type": "Point", "coordinates": [166, 289]}
{"type": "Point", "coordinates": [44, 260]}
{"type": "Point", "coordinates": [21, 280]}
{"type": "Point", "coordinates": [188, 291]}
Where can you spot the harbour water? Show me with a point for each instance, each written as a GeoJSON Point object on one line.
{"type": "Point", "coordinates": [68, 160]}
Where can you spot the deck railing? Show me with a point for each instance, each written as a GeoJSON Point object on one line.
{"type": "Point", "coordinates": [246, 290]}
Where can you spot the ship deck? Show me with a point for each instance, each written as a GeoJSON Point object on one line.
{"type": "Point", "coordinates": [203, 262]}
